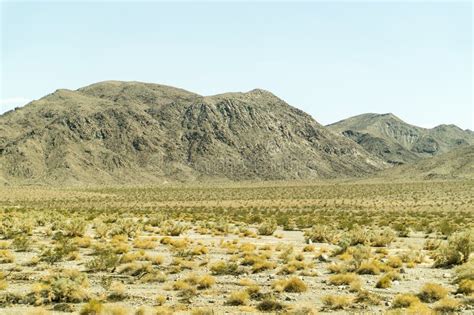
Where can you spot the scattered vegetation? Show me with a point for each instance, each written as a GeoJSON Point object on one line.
{"type": "Point", "coordinates": [180, 246]}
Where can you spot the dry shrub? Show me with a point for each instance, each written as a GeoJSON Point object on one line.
{"type": "Point", "coordinates": [394, 262]}
{"type": "Point", "coordinates": [465, 277]}
{"type": "Point", "coordinates": [386, 280]}
{"type": "Point", "coordinates": [339, 267]}
{"type": "Point", "coordinates": [337, 302]}
{"type": "Point", "coordinates": [117, 291]}
{"type": "Point", "coordinates": [205, 282]}
{"type": "Point", "coordinates": [405, 300]}
{"type": "Point", "coordinates": [263, 265]}
{"type": "Point", "coordinates": [447, 305]}
{"type": "Point", "coordinates": [270, 305]}
{"type": "Point", "coordinates": [431, 292]}
{"type": "Point", "coordinates": [224, 268]}
{"type": "Point", "coordinates": [103, 262]}
{"type": "Point", "coordinates": [344, 279]}
{"type": "Point", "coordinates": [293, 285]}
{"type": "Point", "coordinates": [135, 268]}
{"type": "Point", "coordinates": [247, 247]}
{"type": "Point", "coordinates": [368, 268]}
{"type": "Point", "coordinates": [320, 234]}
{"type": "Point", "coordinates": [199, 250]}
{"type": "Point", "coordinates": [466, 287]}
{"type": "Point", "coordinates": [366, 297]}
{"type": "Point", "coordinates": [246, 282]}
{"type": "Point", "coordinates": [238, 298]}
{"type": "Point", "coordinates": [382, 238]}
{"type": "Point", "coordinates": [3, 281]}
{"type": "Point", "coordinates": [432, 244]}
{"type": "Point", "coordinates": [187, 291]}
{"type": "Point", "coordinates": [144, 243]}
{"type": "Point", "coordinates": [160, 300]}
{"type": "Point", "coordinates": [6, 256]}
{"type": "Point", "coordinates": [83, 242]}
{"type": "Point", "coordinates": [155, 259]}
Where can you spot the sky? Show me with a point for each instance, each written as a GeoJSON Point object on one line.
{"type": "Point", "coordinates": [331, 59]}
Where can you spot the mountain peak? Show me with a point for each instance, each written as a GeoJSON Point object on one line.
{"type": "Point", "coordinates": [398, 142]}
{"type": "Point", "coordinates": [133, 132]}
{"type": "Point", "coordinates": [389, 115]}
{"type": "Point", "coordinates": [259, 91]}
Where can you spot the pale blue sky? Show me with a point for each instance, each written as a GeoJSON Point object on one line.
{"type": "Point", "coordinates": [332, 60]}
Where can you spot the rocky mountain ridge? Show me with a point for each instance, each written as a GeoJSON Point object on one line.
{"type": "Point", "coordinates": [131, 132]}
{"type": "Point", "coordinates": [397, 142]}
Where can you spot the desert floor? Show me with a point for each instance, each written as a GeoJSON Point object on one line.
{"type": "Point", "coordinates": [291, 248]}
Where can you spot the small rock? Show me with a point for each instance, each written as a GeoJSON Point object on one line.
{"type": "Point", "coordinates": [287, 298]}
{"type": "Point", "coordinates": [396, 282]}
{"type": "Point", "coordinates": [402, 270]}
{"type": "Point", "coordinates": [324, 258]}
{"type": "Point", "coordinates": [446, 275]}
{"type": "Point", "coordinates": [388, 304]}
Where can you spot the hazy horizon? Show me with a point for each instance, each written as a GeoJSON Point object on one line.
{"type": "Point", "coordinates": [332, 60]}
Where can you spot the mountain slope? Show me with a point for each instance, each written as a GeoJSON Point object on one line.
{"type": "Point", "coordinates": [456, 164]}
{"type": "Point", "coordinates": [132, 132]}
{"type": "Point", "coordinates": [397, 142]}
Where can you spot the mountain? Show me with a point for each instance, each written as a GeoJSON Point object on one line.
{"type": "Point", "coordinates": [397, 142]}
{"type": "Point", "coordinates": [130, 132]}
{"type": "Point", "coordinates": [456, 164]}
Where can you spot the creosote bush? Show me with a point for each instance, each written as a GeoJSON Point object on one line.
{"type": "Point", "coordinates": [457, 250]}
{"type": "Point", "coordinates": [66, 285]}
{"type": "Point", "coordinates": [267, 228]}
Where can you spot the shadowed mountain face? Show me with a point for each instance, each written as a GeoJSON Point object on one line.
{"type": "Point", "coordinates": [397, 142]}
{"type": "Point", "coordinates": [455, 164]}
{"type": "Point", "coordinates": [131, 132]}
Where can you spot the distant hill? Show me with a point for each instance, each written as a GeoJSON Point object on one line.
{"type": "Point", "coordinates": [130, 132]}
{"type": "Point", "coordinates": [397, 142]}
{"type": "Point", "coordinates": [456, 164]}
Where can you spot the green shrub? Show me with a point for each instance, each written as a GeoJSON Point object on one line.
{"type": "Point", "coordinates": [267, 228]}
{"type": "Point", "coordinates": [63, 286]}
{"type": "Point", "coordinates": [457, 250]}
